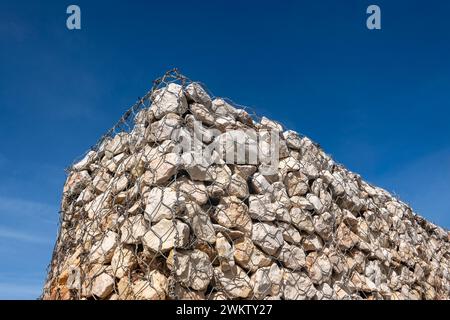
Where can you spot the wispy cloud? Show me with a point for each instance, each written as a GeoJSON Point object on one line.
{"type": "Point", "coordinates": [13, 291]}
{"type": "Point", "coordinates": [17, 207]}
{"type": "Point", "coordinates": [19, 235]}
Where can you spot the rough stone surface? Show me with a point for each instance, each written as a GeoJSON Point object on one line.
{"type": "Point", "coordinates": [161, 209]}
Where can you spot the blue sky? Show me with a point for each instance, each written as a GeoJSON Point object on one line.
{"type": "Point", "coordinates": [377, 101]}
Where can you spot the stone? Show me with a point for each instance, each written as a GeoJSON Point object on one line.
{"type": "Point", "coordinates": [117, 145]}
{"type": "Point", "coordinates": [163, 203]}
{"type": "Point", "coordinates": [290, 233]}
{"type": "Point", "coordinates": [296, 184]}
{"type": "Point", "coordinates": [164, 129]}
{"type": "Point", "coordinates": [292, 257]}
{"type": "Point", "coordinates": [84, 163]}
{"type": "Point", "coordinates": [319, 267]}
{"type": "Point", "coordinates": [293, 140]}
{"type": "Point", "coordinates": [119, 184]}
{"type": "Point", "coordinates": [316, 203]}
{"type": "Point", "coordinates": [232, 213]}
{"type": "Point", "coordinates": [103, 250]}
{"type": "Point", "coordinates": [165, 167]}
{"type": "Point", "coordinates": [312, 242]}
{"type": "Point", "coordinates": [225, 253]}
{"type": "Point", "coordinates": [266, 281]}
{"type": "Point", "coordinates": [346, 239]}
{"type": "Point", "coordinates": [297, 286]}
{"type": "Point", "coordinates": [267, 123]}
{"type": "Point", "coordinates": [123, 261]}
{"type": "Point", "coordinates": [288, 164]}
{"type": "Point", "coordinates": [302, 220]}
{"type": "Point", "coordinates": [324, 225]}
{"type": "Point", "coordinates": [234, 282]}
{"type": "Point", "coordinates": [166, 234]}
{"type": "Point", "coordinates": [245, 171]}
{"type": "Point", "coordinates": [238, 187]}
{"type": "Point", "coordinates": [103, 286]}
{"type": "Point", "coordinates": [259, 183]}
{"type": "Point", "coordinates": [133, 229]}
{"type": "Point", "coordinates": [325, 292]}
{"type": "Point", "coordinates": [221, 107]}
{"type": "Point", "coordinates": [261, 208]}
{"type": "Point", "coordinates": [192, 268]}
{"type": "Point", "coordinates": [268, 237]}
{"type": "Point", "coordinates": [201, 113]}
{"type": "Point", "coordinates": [201, 223]}
{"type": "Point", "coordinates": [248, 256]}
{"type": "Point", "coordinates": [170, 99]}
{"type": "Point", "coordinates": [76, 182]}
{"type": "Point", "coordinates": [195, 92]}
{"type": "Point", "coordinates": [153, 287]}
{"type": "Point", "coordinates": [193, 190]}
{"type": "Point", "coordinates": [302, 203]}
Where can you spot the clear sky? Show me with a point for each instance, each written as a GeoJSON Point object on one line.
{"type": "Point", "coordinates": [377, 101]}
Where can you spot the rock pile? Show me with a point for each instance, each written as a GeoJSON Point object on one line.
{"type": "Point", "coordinates": [143, 219]}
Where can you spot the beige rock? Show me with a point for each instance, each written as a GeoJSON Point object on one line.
{"type": "Point", "coordinates": [346, 239]}
{"type": "Point", "coordinates": [123, 261]}
{"type": "Point", "coordinates": [261, 208]}
{"type": "Point", "coordinates": [76, 182]}
{"type": "Point", "coordinates": [200, 222]}
{"type": "Point", "coordinates": [201, 113]}
{"type": "Point", "coordinates": [133, 229]}
{"type": "Point", "coordinates": [234, 282]}
{"type": "Point", "coordinates": [192, 268]}
{"type": "Point", "coordinates": [170, 99]}
{"type": "Point", "coordinates": [195, 92]}
{"type": "Point", "coordinates": [231, 212]}
{"type": "Point", "coordinates": [103, 250]}
{"type": "Point", "coordinates": [266, 281]}
{"type": "Point", "coordinates": [290, 233]}
{"type": "Point", "coordinates": [297, 286]}
{"type": "Point", "coordinates": [248, 256]}
{"type": "Point", "coordinates": [238, 187]}
{"type": "Point", "coordinates": [103, 286]}
{"type": "Point", "coordinates": [163, 203]}
{"type": "Point", "coordinates": [324, 225]}
{"type": "Point", "coordinates": [296, 183]}
{"type": "Point", "coordinates": [165, 167]}
{"type": "Point", "coordinates": [152, 287]}
{"type": "Point", "coordinates": [225, 252]}
{"type": "Point", "coordinates": [302, 220]}
{"type": "Point", "coordinates": [166, 234]}
{"type": "Point", "coordinates": [268, 237]}
{"type": "Point", "coordinates": [319, 267]}
{"type": "Point", "coordinates": [292, 256]}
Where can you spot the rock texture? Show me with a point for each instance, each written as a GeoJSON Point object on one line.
{"type": "Point", "coordinates": [145, 218]}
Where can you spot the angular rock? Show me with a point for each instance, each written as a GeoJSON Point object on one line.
{"type": "Point", "coordinates": [133, 229]}
{"type": "Point", "coordinates": [268, 237]}
{"type": "Point", "coordinates": [297, 286]}
{"type": "Point", "coordinates": [266, 281]}
{"type": "Point", "coordinates": [166, 234]}
{"type": "Point", "coordinates": [234, 282]}
{"type": "Point", "coordinates": [195, 92]}
{"type": "Point", "coordinates": [233, 213]}
{"type": "Point", "coordinates": [163, 203]}
{"type": "Point", "coordinates": [103, 286]}
{"type": "Point", "coordinates": [248, 256]}
{"type": "Point", "coordinates": [170, 99]}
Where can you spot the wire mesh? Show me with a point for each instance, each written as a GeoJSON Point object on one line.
{"type": "Point", "coordinates": [146, 214]}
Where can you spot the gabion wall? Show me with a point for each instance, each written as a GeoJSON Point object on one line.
{"type": "Point", "coordinates": [147, 214]}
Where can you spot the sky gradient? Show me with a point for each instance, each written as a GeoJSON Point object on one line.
{"type": "Point", "coordinates": [376, 101]}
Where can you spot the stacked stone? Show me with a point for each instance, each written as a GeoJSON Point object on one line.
{"type": "Point", "coordinates": [140, 220]}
